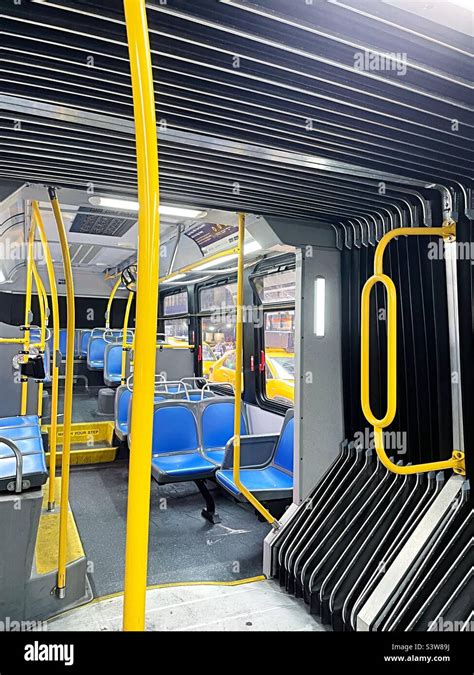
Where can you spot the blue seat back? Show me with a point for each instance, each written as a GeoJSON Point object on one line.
{"type": "Point", "coordinates": [217, 424]}
{"type": "Point", "coordinates": [62, 342]}
{"type": "Point", "coordinates": [85, 337]}
{"type": "Point", "coordinates": [174, 429]}
{"type": "Point", "coordinates": [121, 410]}
{"type": "Point", "coordinates": [113, 363]}
{"type": "Point", "coordinates": [283, 458]}
{"type": "Point", "coordinates": [95, 353]}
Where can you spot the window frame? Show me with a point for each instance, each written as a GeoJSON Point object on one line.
{"type": "Point", "coordinates": [266, 268]}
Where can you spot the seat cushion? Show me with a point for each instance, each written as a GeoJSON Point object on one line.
{"type": "Point", "coordinates": [271, 481]}
{"type": "Point", "coordinates": [181, 467]}
{"type": "Point", "coordinates": [19, 421]}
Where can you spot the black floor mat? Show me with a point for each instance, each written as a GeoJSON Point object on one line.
{"type": "Point", "coordinates": [182, 545]}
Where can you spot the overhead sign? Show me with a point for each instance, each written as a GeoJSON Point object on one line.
{"type": "Point", "coordinates": [212, 237]}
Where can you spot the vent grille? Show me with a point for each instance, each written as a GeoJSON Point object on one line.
{"type": "Point", "coordinates": [102, 223]}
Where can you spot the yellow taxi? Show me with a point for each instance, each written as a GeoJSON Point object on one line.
{"type": "Point", "coordinates": [279, 373]}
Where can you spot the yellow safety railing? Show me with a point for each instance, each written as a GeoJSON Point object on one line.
{"type": "Point", "coordinates": [447, 232]}
{"type": "Point", "coordinates": [68, 394]}
{"type": "Point", "coordinates": [238, 379]}
{"type": "Point", "coordinates": [139, 482]}
{"type": "Point", "coordinates": [38, 223]}
{"type": "Point", "coordinates": [126, 347]}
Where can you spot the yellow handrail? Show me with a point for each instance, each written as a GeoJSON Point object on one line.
{"type": "Point", "coordinates": [139, 482]}
{"type": "Point", "coordinates": [68, 394]}
{"type": "Point", "coordinates": [125, 346]}
{"type": "Point", "coordinates": [55, 356]}
{"type": "Point", "coordinates": [192, 266]}
{"type": "Point", "coordinates": [448, 232]}
{"type": "Point", "coordinates": [43, 305]}
{"type": "Point", "coordinates": [27, 321]}
{"type": "Point", "coordinates": [111, 299]}
{"type": "Point", "coordinates": [238, 379]}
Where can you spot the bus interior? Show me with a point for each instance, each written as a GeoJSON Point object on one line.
{"type": "Point", "coordinates": [239, 383]}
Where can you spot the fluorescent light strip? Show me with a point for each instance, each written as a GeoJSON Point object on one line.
{"type": "Point", "coordinates": [319, 306]}
{"type": "Point", "coordinates": [132, 205]}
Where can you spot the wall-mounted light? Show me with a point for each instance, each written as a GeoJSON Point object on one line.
{"type": "Point", "coordinates": [319, 306]}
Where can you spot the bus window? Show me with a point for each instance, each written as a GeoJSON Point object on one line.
{"type": "Point", "coordinates": [279, 340]}
{"type": "Point", "coordinates": [277, 292]}
{"type": "Point", "coordinates": [217, 324]}
{"type": "Point", "coordinates": [175, 303]}
{"type": "Point", "coordinates": [177, 332]}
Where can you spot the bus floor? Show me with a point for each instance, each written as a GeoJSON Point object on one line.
{"type": "Point", "coordinates": [182, 545]}
{"type": "Point", "coordinates": [255, 606]}
{"type": "Point", "coordinates": [84, 407]}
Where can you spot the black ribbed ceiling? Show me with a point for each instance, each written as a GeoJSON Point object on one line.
{"type": "Point", "coordinates": [260, 105]}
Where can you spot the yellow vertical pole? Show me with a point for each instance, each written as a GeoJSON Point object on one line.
{"type": "Point", "coordinates": [238, 378]}
{"type": "Point", "coordinates": [138, 511]}
{"type": "Point", "coordinates": [55, 360]}
{"type": "Point", "coordinates": [125, 346]}
{"type": "Point", "coordinates": [43, 303]}
{"type": "Point", "coordinates": [27, 322]}
{"type": "Point", "coordinates": [68, 394]}
{"type": "Point", "coordinates": [111, 299]}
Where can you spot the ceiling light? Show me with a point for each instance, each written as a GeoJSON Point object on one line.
{"type": "Point", "coordinates": [251, 247]}
{"type": "Point", "coordinates": [175, 277]}
{"type": "Point", "coordinates": [2, 277]}
{"type": "Point", "coordinates": [218, 261]}
{"type": "Point", "coordinates": [132, 205]}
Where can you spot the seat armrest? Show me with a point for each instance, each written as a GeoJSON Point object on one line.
{"type": "Point", "coordinates": [255, 451]}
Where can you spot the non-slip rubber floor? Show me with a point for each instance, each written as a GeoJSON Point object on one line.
{"type": "Point", "coordinates": [182, 545]}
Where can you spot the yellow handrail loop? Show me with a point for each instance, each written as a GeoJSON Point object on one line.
{"type": "Point", "coordinates": [456, 462]}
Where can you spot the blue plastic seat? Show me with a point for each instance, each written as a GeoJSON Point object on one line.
{"type": "Point", "coordinates": [18, 421]}
{"type": "Point", "coordinates": [62, 342]}
{"type": "Point", "coordinates": [25, 433]}
{"type": "Point", "coordinates": [123, 399]}
{"type": "Point", "coordinates": [270, 480]}
{"type": "Point", "coordinates": [113, 364]}
{"type": "Point", "coordinates": [96, 352]}
{"type": "Point", "coordinates": [217, 427]}
{"type": "Point", "coordinates": [176, 454]}
{"type": "Point", "coordinates": [85, 336]}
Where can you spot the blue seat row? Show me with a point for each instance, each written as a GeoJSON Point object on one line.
{"type": "Point", "coordinates": [163, 392]}
{"type": "Point", "coordinates": [25, 433]}
{"type": "Point", "coordinates": [189, 438]}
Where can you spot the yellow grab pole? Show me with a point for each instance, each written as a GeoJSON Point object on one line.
{"type": "Point", "coordinates": [456, 462]}
{"type": "Point", "coordinates": [68, 394]}
{"type": "Point", "coordinates": [27, 322]}
{"type": "Point", "coordinates": [139, 482]}
{"type": "Point", "coordinates": [238, 379]}
{"type": "Point", "coordinates": [43, 303]}
{"type": "Point", "coordinates": [56, 359]}
{"type": "Point", "coordinates": [125, 346]}
{"type": "Point", "coordinates": [111, 299]}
